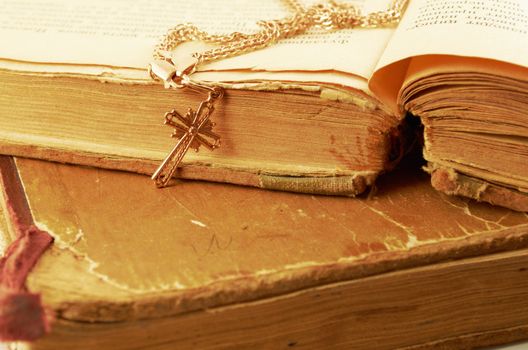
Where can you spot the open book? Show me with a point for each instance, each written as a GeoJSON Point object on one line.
{"type": "Point", "coordinates": [321, 113]}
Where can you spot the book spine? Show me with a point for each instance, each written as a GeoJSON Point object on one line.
{"type": "Point", "coordinates": [327, 184]}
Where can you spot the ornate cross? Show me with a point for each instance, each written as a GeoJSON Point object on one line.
{"type": "Point", "coordinates": [193, 130]}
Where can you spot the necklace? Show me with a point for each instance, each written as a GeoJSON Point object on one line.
{"type": "Point", "coordinates": [195, 128]}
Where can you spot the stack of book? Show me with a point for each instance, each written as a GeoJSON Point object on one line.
{"type": "Point", "coordinates": [99, 258]}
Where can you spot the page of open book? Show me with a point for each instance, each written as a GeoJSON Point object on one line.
{"type": "Point", "coordinates": [491, 29]}
{"type": "Point", "coordinates": [122, 33]}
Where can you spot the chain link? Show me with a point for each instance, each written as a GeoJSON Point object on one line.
{"type": "Point", "coordinates": [331, 15]}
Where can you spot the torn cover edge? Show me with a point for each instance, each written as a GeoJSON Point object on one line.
{"type": "Point", "coordinates": [452, 182]}
{"type": "Point", "coordinates": [22, 314]}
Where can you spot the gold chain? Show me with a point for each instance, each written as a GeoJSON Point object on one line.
{"type": "Point", "coordinates": [331, 15]}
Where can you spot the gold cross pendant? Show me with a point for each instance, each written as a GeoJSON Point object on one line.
{"type": "Point", "coordinates": [193, 130]}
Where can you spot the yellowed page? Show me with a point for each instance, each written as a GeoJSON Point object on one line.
{"type": "Point", "coordinates": [123, 33]}
{"type": "Point", "coordinates": [491, 29]}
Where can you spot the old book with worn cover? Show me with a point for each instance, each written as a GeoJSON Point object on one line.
{"type": "Point", "coordinates": [210, 266]}
{"type": "Point", "coordinates": [320, 113]}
